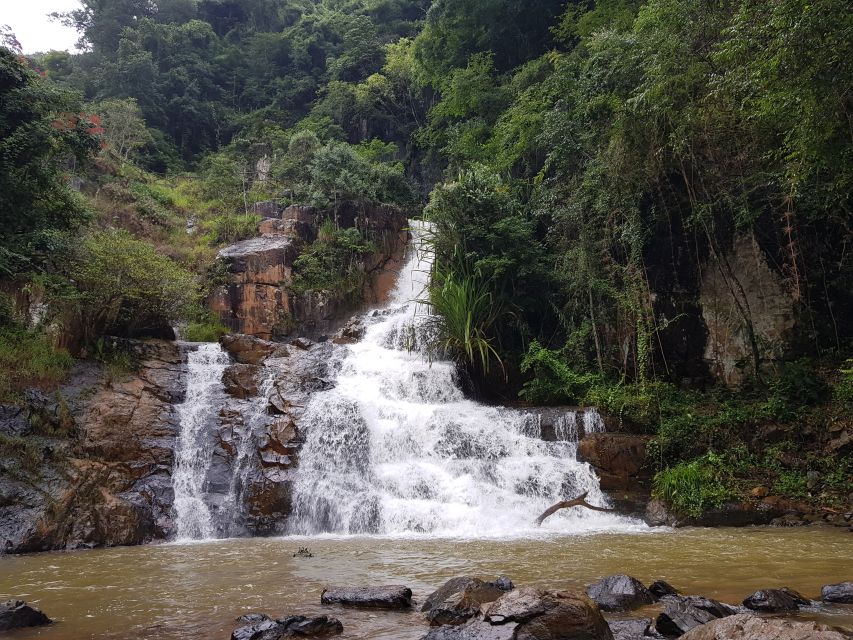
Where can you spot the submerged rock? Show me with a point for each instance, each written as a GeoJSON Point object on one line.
{"type": "Point", "coordinates": [775, 600]}
{"type": "Point", "coordinates": [619, 592]}
{"type": "Point", "coordinates": [840, 593]}
{"type": "Point", "coordinates": [751, 627]}
{"type": "Point", "coordinates": [17, 614]}
{"type": "Point", "coordinates": [683, 613]}
{"type": "Point", "coordinates": [261, 627]}
{"type": "Point", "coordinates": [388, 597]}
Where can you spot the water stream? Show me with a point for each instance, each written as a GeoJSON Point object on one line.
{"type": "Point", "coordinates": [395, 448]}
{"type": "Point", "coordinates": [205, 365]}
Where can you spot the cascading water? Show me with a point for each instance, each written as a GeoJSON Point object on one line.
{"type": "Point", "coordinates": [395, 448]}
{"type": "Point", "coordinates": [192, 458]}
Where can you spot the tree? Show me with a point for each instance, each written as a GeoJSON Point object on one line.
{"type": "Point", "coordinates": [124, 128]}
{"type": "Point", "coordinates": [43, 131]}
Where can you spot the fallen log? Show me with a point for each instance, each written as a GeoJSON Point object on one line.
{"type": "Point", "coordinates": [580, 501]}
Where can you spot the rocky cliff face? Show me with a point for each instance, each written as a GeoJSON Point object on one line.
{"type": "Point", "coordinates": [97, 466]}
{"type": "Point", "coordinates": [258, 301]}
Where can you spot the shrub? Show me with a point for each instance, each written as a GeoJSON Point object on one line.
{"type": "Point", "coordinates": [333, 263]}
{"type": "Point", "coordinates": [124, 284]}
{"type": "Point", "coordinates": [690, 488]}
{"type": "Point", "coordinates": [28, 359]}
{"type": "Point", "coordinates": [553, 381]}
{"type": "Point", "coordinates": [230, 228]}
{"type": "Point", "coordinates": [205, 331]}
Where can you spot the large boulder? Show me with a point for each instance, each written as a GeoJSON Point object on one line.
{"type": "Point", "coordinates": [387, 597]}
{"type": "Point", "coordinates": [751, 627]}
{"type": "Point", "coordinates": [619, 592]}
{"type": "Point", "coordinates": [17, 614]}
{"type": "Point", "coordinates": [775, 600]}
{"type": "Point", "coordinates": [661, 588]}
{"type": "Point", "coordinates": [261, 627]}
{"type": "Point", "coordinates": [459, 600]}
{"type": "Point", "coordinates": [542, 615]}
{"type": "Point", "coordinates": [476, 630]}
{"type": "Point", "coordinates": [841, 593]}
{"type": "Point", "coordinates": [683, 613]}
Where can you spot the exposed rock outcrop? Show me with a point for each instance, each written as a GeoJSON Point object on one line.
{"type": "Point", "coordinates": [104, 477]}
{"type": "Point", "coordinates": [258, 300]}
{"type": "Point", "coordinates": [619, 460]}
{"type": "Point", "coordinates": [261, 627]}
{"type": "Point", "coordinates": [751, 627]}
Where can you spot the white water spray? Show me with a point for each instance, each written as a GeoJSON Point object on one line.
{"type": "Point", "coordinates": [195, 448]}
{"type": "Point", "coordinates": [395, 448]}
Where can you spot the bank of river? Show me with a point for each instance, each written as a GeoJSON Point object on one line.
{"type": "Point", "coordinates": [196, 591]}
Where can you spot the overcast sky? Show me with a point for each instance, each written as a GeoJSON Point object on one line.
{"type": "Point", "coordinates": [35, 31]}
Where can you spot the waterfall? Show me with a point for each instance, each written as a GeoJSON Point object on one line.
{"type": "Point", "coordinates": [195, 446]}
{"type": "Point", "coordinates": [395, 448]}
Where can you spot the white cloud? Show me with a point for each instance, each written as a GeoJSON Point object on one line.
{"type": "Point", "coordinates": [34, 29]}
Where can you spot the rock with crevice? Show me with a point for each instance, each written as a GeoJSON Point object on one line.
{"type": "Point", "coordinates": [752, 627]}
{"type": "Point", "coordinates": [241, 380]}
{"type": "Point", "coordinates": [459, 600]}
{"type": "Point", "coordinates": [683, 613]}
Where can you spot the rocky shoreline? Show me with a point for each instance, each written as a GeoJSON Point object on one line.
{"type": "Point", "coordinates": [617, 607]}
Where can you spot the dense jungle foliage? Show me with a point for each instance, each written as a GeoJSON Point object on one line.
{"type": "Point", "coordinates": [585, 166]}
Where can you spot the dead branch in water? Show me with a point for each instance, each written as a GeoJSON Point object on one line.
{"type": "Point", "coordinates": [580, 501]}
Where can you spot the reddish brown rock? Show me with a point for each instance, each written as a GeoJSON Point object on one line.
{"type": "Point", "coordinates": [241, 380]}
{"type": "Point", "coordinates": [251, 350]}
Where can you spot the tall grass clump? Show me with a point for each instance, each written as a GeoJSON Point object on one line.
{"type": "Point", "coordinates": [691, 488]}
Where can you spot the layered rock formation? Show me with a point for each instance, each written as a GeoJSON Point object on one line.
{"type": "Point", "coordinates": [101, 473]}
{"type": "Point", "coordinates": [258, 301]}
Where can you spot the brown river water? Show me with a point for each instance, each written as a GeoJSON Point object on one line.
{"type": "Point", "coordinates": [192, 591]}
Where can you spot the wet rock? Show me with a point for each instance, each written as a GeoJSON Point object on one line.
{"type": "Point", "coordinates": [451, 587]}
{"type": "Point", "coordinates": [683, 613]}
{"type": "Point", "coordinates": [387, 597]}
{"type": "Point", "coordinates": [542, 615]}
{"type": "Point", "coordinates": [619, 592]}
{"type": "Point", "coordinates": [839, 593]}
{"type": "Point", "coordinates": [462, 602]}
{"type": "Point", "coordinates": [477, 630]}
{"type": "Point", "coordinates": [618, 458]}
{"type": "Point", "coordinates": [251, 350]}
{"type": "Point", "coordinates": [661, 588]}
{"type": "Point", "coordinates": [635, 629]}
{"type": "Point", "coordinates": [302, 343]}
{"type": "Point", "coordinates": [735, 514]}
{"type": "Point", "coordinates": [262, 627]}
{"type": "Point", "coordinates": [17, 614]}
{"type": "Point", "coordinates": [304, 552]}
{"type": "Point", "coordinates": [503, 583]}
{"type": "Point", "coordinates": [751, 627]}
{"type": "Point", "coordinates": [241, 380]}
{"type": "Point", "coordinates": [775, 600]}
{"type": "Point", "coordinates": [104, 479]}
{"type": "Point", "coordinates": [657, 514]}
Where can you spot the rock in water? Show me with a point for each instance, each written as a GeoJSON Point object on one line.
{"type": "Point", "coordinates": [749, 627]}
{"type": "Point", "coordinates": [503, 583]}
{"type": "Point", "coordinates": [841, 593]}
{"type": "Point", "coordinates": [461, 606]}
{"type": "Point", "coordinates": [683, 613]}
{"type": "Point", "coordinates": [17, 614]}
{"type": "Point", "coordinates": [543, 615]}
{"type": "Point", "coordinates": [389, 597]}
{"type": "Point", "coordinates": [775, 600]}
{"type": "Point", "coordinates": [636, 629]}
{"type": "Point", "coordinates": [619, 592]}
{"type": "Point", "coordinates": [661, 588]}
{"type": "Point", "coordinates": [478, 630]}
{"type": "Point", "coordinates": [262, 627]}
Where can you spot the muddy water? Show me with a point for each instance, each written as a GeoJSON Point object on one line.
{"type": "Point", "coordinates": [196, 591]}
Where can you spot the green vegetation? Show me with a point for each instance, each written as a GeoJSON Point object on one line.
{"type": "Point", "coordinates": [29, 359]}
{"type": "Point", "coordinates": [333, 263]}
{"type": "Point", "coordinates": [209, 331]}
{"type": "Point", "coordinates": [587, 167]}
